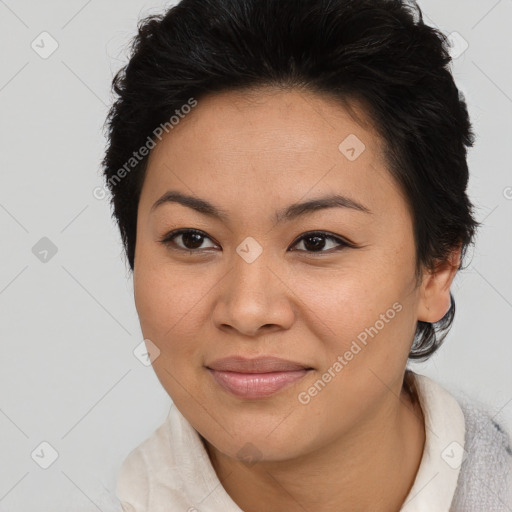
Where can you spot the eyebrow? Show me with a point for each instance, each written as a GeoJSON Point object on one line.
{"type": "Point", "coordinates": [287, 214]}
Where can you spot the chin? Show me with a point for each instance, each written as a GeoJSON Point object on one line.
{"type": "Point", "coordinates": [264, 442]}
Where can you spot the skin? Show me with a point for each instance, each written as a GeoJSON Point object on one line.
{"type": "Point", "coordinates": [358, 443]}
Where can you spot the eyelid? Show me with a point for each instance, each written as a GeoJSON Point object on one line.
{"type": "Point", "coordinates": [167, 238]}
{"type": "Point", "coordinates": [342, 242]}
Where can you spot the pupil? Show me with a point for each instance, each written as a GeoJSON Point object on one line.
{"type": "Point", "coordinates": [318, 244]}
{"type": "Point", "coordinates": [195, 244]}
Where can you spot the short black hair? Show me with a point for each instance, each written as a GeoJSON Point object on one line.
{"type": "Point", "coordinates": [379, 53]}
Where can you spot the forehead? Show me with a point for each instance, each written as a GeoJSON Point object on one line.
{"type": "Point", "coordinates": [272, 146]}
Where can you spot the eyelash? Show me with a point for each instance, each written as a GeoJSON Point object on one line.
{"type": "Point", "coordinates": [168, 241]}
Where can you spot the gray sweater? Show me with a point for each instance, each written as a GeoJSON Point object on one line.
{"type": "Point", "coordinates": [485, 478]}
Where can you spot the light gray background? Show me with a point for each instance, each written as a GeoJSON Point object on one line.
{"type": "Point", "coordinates": [68, 375]}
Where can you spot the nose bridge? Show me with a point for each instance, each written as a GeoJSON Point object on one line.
{"type": "Point", "coordinates": [251, 297]}
{"type": "Point", "coordinates": [250, 267]}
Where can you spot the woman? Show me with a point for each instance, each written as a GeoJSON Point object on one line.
{"type": "Point", "coordinates": [289, 180]}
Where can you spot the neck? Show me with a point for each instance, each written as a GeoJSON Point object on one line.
{"type": "Point", "coordinates": [371, 469]}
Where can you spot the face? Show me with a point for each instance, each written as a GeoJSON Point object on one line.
{"type": "Point", "coordinates": [330, 288]}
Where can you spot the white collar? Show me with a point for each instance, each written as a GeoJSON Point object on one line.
{"type": "Point", "coordinates": [443, 454]}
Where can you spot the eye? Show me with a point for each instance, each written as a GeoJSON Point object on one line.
{"type": "Point", "coordinates": [314, 242]}
{"type": "Point", "coordinates": [192, 239]}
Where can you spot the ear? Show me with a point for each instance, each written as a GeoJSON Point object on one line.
{"type": "Point", "coordinates": [434, 300]}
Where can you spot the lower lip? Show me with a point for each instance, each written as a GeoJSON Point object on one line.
{"type": "Point", "coordinates": [256, 385]}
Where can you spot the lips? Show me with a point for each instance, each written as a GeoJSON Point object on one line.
{"type": "Point", "coordinates": [257, 365]}
{"type": "Point", "coordinates": [255, 378]}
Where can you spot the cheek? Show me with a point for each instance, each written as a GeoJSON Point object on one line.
{"type": "Point", "coordinates": [165, 307]}
{"type": "Point", "coordinates": [169, 303]}
{"type": "Point", "coordinates": [162, 295]}
{"type": "Point", "coordinates": [151, 300]}
{"type": "Point", "coordinates": [346, 302]}
{"type": "Point", "coordinates": [366, 319]}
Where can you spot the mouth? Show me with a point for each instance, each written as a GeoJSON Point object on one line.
{"type": "Point", "coordinates": [256, 378]}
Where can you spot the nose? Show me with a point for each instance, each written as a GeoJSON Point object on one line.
{"type": "Point", "coordinates": [253, 298]}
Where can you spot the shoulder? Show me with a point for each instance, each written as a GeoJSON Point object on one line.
{"type": "Point", "coordinates": [485, 478]}
{"type": "Point", "coordinates": [485, 434]}
{"type": "Point", "coordinates": [133, 485]}
{"type": "Point", "coordinates": [151, 473]}
{"type": "Point", "coordinates": [132, 481]}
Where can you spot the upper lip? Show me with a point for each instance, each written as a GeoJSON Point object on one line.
{"type": "Point", "coordinates": [255, 365]}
